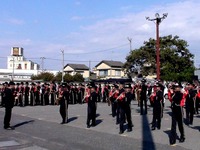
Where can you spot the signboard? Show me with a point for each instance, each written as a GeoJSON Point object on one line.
{"type": "Point", "coordinates": [15, 51]}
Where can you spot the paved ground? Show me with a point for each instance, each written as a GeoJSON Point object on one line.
{"type": "Point", "coordinates": [39, 128]}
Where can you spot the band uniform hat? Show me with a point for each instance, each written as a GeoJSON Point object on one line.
{"type": "Point", "coordinates": [158, 85]}
{"type": "Point", "coordinates": [115, 86]}
{"type": "Point", "coordinates": [92, 85]}
{"type": "Point", "coordinates": [143, 80]}
{"type": "Point", "coordinates": [11, 83]}
{"type": "Point", "coordinates": [64, 84]}
{"type": "Point", "coordinates": [128, 85]}
{"type": "Point", "coordinates": [178, 85]}
{"type": "Point", "coordinates": [191, 83]}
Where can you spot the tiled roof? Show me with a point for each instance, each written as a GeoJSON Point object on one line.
{"type": "Point", "coordinates": [78, 66]}
{"type": "Point", "coordinates": [111, 63]}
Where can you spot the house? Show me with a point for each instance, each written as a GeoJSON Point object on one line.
{"type": "Point", "coordinates": [73, 69]}
{"type": "Point", "coordinates": [109, 69]}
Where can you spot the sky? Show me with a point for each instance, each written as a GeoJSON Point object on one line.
{"type": "Point", "coordinates": [89, 31]}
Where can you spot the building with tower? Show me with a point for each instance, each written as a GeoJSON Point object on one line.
{"type": "Point", "coordinates": [17, 60]}
{"type": "Point", "coordinates": [18, 68]}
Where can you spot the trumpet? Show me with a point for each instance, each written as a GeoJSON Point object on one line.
{"type": "Point", "coordinates": [60, 94]}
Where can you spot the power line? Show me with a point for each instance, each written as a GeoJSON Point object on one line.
{"type": "Point", "coordinates": [109, 49]}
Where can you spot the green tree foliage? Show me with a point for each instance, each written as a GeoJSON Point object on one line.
{"type": "Point", "coordinates": [78, 78]}
{"type": "Point", "coordinates": [68, 78]}
{"type": "Point", "coordinates": [58, 77]}
{"type": "Point", "coordinates": [176, 61]}
{"type": "Point", "coordinates": [45, 76]}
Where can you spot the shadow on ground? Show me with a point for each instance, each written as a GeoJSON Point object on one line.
{"type": "Point", "coordinates": [147, 138]}
{"type": "Point", "coordinates": [72, 119]}
{"type": "Point", "coordinates": [23, 123]}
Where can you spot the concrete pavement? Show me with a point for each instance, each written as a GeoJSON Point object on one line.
{"type": "Point", "coordinates": [38, 127]}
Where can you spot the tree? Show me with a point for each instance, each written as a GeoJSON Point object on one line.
{"type": "Point", "coordinates": [58, 77]}
{"type": "Point", "coordinates": [175, 59]}
{"type": "Point", "coordinates": [68, 78]}
{"type": "Point", "coordinates": [78, 78]}
{"type": "Point", "coordinates": [45, 76]}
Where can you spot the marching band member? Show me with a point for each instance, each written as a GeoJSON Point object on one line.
{"type": "Point", "coordinates": [157, 107]}
{"type": "Point", "coordinates": [37, 94]}
{"type": "Point", "coordinates": [113, 94]}
{"type": "Point", "coordinates": [17, 94]}
{"type": "Point", "coordinates": [63, 100]}
{"type": "Point", "coordinates": [46, 94]}
{"type": "Point", "coordinates": [9, 103]}
{"type": "Point", "coordinates": [21, 94]}
{"type": "Point", "coordinates": [26, 94]}
{"type": "Point", "coordinates": [197, 100]}
{"type": "Point", "coordinates": [52, 93]}
{"type": "Point", "coordinates": [32, 94]}
{"type": "Point", "coordinates": [105, 93]}
{"type": "Point", "coordinates": [121, 103]}
{"type": "Point", "coordinates": [128, 98]}
{"type": "Point", "coordinates": [177, 102]}
{"type": "Point", "coordinates": [92, 106]}
{"type": "Point", "coordinates": [143, 97]}
{"type": "Point", "coordinates": [190, 103]}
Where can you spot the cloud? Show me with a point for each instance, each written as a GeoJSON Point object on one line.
{"type": "Point", "coordinates": [125, 8]}
{"type": "Point", "coordinates": [76, 18]}
{"type": "Point", "coordinates": [15, 21]}
{"type": "Point", "coordinates": [77, 3]}
{"type": "Point", "coordinates": [182, 20]}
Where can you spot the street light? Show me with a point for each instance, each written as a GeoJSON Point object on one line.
{"type": "Point", "coordinates": [157, 20]}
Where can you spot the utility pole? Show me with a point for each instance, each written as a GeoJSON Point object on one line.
{"type": "Point", "coordinates": [157, 20]}
{"type": "Point", "coordinates": [13, 68]}
{"type": "Point", "coordinates": [130, 40]}
{"type": "Point", "coordinates": [89, 65]}
{"type": "Point", "coordinates": [62, 51]}
{"type": "Point", "coordinates": [42, 64]}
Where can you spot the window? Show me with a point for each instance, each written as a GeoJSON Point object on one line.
{"type": "Point", "coordinates": [117, 72]}
{"type": "Point", "coordinates": [103, 72]}
{"type": "Point", "coordinates": [19, 66]}
{"type": "Point", "coordinates": [25, 66]}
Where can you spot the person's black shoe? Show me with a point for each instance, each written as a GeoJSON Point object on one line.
{"type": "Point", "coordinates": [121, 132]}
{"type": "Point", "coordinates": [158, 128]}
{"type": "Point", "coordinates": [182, 139]}
{"type": "Point", "coordinates": [63, 122]}
{"type": "Point", "coordinates": [93, 125]}
{"type": "Point", "coordinates": [129, 130]}
{"type": "Point", "coordinates": [153, 128]}
{"type": "Point", "coordinates": [172, 142]}
{"type": "Point", "coordinates": [88, 126]}
{"type": "Point", "coordinates": [9, 128]}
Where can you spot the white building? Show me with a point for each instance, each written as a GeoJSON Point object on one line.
{"type": "Point", "coordinates": [109, 69]}
{"type": "Point", "coordinates": [82, 69]}
{"type": "Point", "coordinates": [17, 61]}
{"type": "Point", "coordinates": [18, 68]}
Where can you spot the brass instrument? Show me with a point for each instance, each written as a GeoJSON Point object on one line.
{"type": "Point", "coordinates": [60, 94]}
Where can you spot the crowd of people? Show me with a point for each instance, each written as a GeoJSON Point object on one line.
{"type": "Point", "coordinates": [117, 95]}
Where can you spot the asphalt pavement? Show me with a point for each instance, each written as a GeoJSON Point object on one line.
{"type": "Point", "coordinates": [39, 128]}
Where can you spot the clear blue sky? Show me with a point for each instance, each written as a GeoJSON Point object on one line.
{"type": "Point", "coordinates": [44, 27]}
